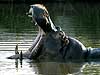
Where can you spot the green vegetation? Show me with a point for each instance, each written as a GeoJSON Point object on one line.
{"type": "Point", "coordinates": [14, 17]}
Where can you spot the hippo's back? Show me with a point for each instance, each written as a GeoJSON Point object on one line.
{"type": "Point", "coordinates": [74, 50]}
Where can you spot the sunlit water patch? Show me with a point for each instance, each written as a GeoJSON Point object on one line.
{"type": "Point", "coordinates": [13, 67]}
{"type": "Point", "coordinates": [28, 67]}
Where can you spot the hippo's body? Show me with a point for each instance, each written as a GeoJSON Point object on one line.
{"type": "Point", "coordinates": [51, 42]}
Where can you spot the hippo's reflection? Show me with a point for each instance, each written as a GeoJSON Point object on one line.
{"type": "Point", "coordinates": [53, 68]}
{"type": "Point", "coordinates": [57, 68]}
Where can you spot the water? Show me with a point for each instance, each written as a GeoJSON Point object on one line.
{"type": "Point", "coordinates": [79, 20]}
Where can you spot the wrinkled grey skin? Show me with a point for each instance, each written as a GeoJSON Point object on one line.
{"type": "Point", "coordinates": [48, 44]}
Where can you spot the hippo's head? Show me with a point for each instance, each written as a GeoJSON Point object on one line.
{"type": "Point", "coordinates": [40, 16]}
{"type": "Point", "coordinates": [55, 38]}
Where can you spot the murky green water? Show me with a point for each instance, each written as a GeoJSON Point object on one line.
{"type": "Point", "coordinates": [79, 20]}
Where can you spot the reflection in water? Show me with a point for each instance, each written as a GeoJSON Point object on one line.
{"type": "Point", "coordinates": [17, 63]}
{"type": "Point", "coordinates": [57, 68]}
{"type": "Point", "coordinates": [53, 68]}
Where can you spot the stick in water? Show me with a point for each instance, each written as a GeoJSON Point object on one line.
{"type": "Point", "coordinates": [21, 55]}
{"type": "Point", "coordinates": [16, 49]}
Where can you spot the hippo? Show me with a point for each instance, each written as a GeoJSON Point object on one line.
{"type": "Point", "coordinates": [52, 43]}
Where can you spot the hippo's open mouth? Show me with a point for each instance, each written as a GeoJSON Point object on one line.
{"type": "Point", "coordinates": [40, 17]}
